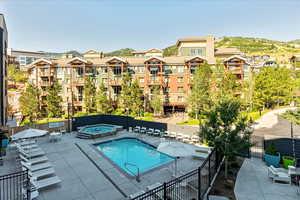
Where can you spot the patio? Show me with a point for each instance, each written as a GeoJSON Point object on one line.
{"type": "Point", "coordinates": [253, 183]}
{"type": "Point", "coordinates": [84, 179]}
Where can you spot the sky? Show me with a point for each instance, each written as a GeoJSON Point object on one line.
{"type": "Point", "coordinates": [107, 25]}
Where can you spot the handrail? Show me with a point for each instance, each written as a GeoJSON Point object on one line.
{"type": "Point", "coordinates": [138, 169]}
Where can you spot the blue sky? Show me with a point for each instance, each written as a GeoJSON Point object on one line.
{"type": "Point", "coordinates": [106, 25]}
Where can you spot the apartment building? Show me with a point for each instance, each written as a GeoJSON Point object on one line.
{"type": "Point", "coordinates": [3, 72]}
{"type": "Point", "coordinates": [238, 66]}
{"type": "Point", "coordinates": [172, 74]}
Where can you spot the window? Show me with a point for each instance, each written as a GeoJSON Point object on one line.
{"type": "Point", "coordinates": [59, 70]}
{"type": "Point", "coordinates": [154, 70]}
{"type": "Point", "coordinates": [167, 69]}
{"type": "Point", "coordinates": [166, 79]}
{"type": "Point", "coordinates": [141, 69]}
{"type": "Point", "coordinates": [180, 98]}
{"type": "Point", "coordinates": [141, 80]}
{"type": "Point", "coordinates": [117, 70]}
{"type": "Point", "coordinates": [198, 52]}
{"type": "Point", "coordinates": [180, 69]}
{"type": "Point", "coordinates": [180, 89]}
{"type": "Point", "coordinates": [179, 79]}
{"type": "Point", "coordinates": [167, 89]}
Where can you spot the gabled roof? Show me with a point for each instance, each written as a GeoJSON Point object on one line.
{"type": "Point", "coordinates": [154, 50]}
{"type": "Point", "coordinates": [154, 57]}
{"type": "Point", "coordinates": [116, 58]}
{"type": "Point", "coordinates": [194, 57]}
{"type": "Point", "coordinates": [191, 39]}
{"type": "Point", "coordinates": [79, 59]}
{"type": "Point", "coordinates": [238, 57]}
{"type": "Point", "coordinates": [92, 52]}
{"type": "Point", "coordinates": [41, 60]}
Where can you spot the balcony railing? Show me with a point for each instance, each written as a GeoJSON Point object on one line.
{"type": "Point", "coordinates": [47, 73]}
{"type": "Point", "coordinates": [46, 83]}
{"type": "Point", "coordinates": [78, 80]}
{"type": "Point", "coordinates": [115, 81]}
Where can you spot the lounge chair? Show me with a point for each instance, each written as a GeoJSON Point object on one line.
{"type": "Point", "coordinates": [36, 167]}
{"type": "Point", "coordinates": [157, 132]}
{"type": "Point", "coordinates": [35, 160]}
{"type": "Point", "coordinates": [29, 149]}
{"type": "Point", "coordinates": [195, 139]}
{"type": "Point", "coordinates": [150, 131]}
{"type": "Point", "coordinates": [132, 196]}
{"type": "Point", "coordinates": [30, 146]}
{"type": "Point", "coordinates": [179, 136]}
{"type": "Point", "coordinates": [172, 135]}
{"type": "Point", "coordinates": [143, 130]}
{"type": "Point", "coordinates": [186, 139]}
{"type": "Point", "coordinates": [199, 155]}
{"type": "Point", "coordinates": [39, 184]}
{"type": "Point", "coordinates": [278, 174]}
{"type": "Point", "coordinates": [32, 154]}
{"type": "Point", "coordinates": [25, 143]}
{"type": "Point", "coordinates": [137, 129]}
{"type": "Point", "coordinates": [42, 173]}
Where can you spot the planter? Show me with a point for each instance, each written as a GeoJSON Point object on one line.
{"type": "Point", "coordinates": [287, 161]}
{"type": "Point", "coordinates": [272, 159]}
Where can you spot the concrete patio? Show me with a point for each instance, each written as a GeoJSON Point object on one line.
{"type": "Point", "coordinates": [253, 184]}
{"type": "Point", "coordinates": [86, 180]}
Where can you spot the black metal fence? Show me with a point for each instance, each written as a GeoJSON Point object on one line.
{"type": "Point", "coordinates": [193, 185]}
{"type": "Point", "coordinates": [15, 186]}
{"type": "Point", "coordinates": [257, 150]}
{"type": "Point", "coordinates": [119, 120]}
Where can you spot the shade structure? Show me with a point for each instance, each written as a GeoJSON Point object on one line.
{"type": "Point", "coordinates": [29, 133]}
{"type": "Point", "coordinates": [176, 149]}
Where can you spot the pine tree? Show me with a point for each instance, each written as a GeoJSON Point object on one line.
{"type": "Point", "coordinates": [104, 106]}
{"type": "Point", "coordinates": [89, 94]}
{"type": "Point", "coordinates": [200, 99]}
{"type": "Point", "coordinates": [125, 98]}
{"type": "Point", "coordinates": [53, 101]}
{"type": "Point", "coordinates": [29, 103]}
{"type": "Point", "coordinates": [136, 98]}
{"type": "Point", "coordinates": [156, 100]}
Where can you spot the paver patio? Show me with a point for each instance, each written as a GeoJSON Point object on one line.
{"type": "Point", "coordinates": [81, 179]}
{"type": "Point", "coordinates": [253, 184]}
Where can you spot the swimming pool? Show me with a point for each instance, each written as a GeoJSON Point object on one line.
{"type": "Point", "coordinates": [130, 153]}
{"type": "Point", "coordinates": [98, 130]}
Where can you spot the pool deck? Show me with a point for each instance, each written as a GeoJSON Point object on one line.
{"type": "Point", "coordinates": [87, 180]}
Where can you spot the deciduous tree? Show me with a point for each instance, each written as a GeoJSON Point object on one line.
{"type": "Point", "coordinates": [89, 94]}
{"type": "Point", "coordinates": [53, 101]}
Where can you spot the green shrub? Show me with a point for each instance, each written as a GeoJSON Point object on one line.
{"type": "Point", "coordinates": [272, 150]}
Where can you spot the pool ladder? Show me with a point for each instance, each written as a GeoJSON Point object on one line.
{"type": "Point", "coordinates": [138, 170]}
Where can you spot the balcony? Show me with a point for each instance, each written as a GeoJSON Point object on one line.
{"type": "Point", "coordinates": [115, 81]}
{"type": "Point", "coordinates": [45, 83]}
{"type": "Point", "coordinates": [78, 81]}
{"type": "Point", "coordinates": [46, 74]}
{"type": "Point", "coordinates": [78, 100]}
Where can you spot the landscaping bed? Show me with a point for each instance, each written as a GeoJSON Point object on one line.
{"type": "Point", "coordinates": [225, 187]}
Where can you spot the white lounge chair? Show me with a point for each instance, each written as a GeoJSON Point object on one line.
{"type": "Point", "coordinates": [42, 173]}
{"type": "Point", "coordinates": [172, 135]}
{"type": "Point", "coordinates": [143, 130]}
{"type": "Point", "coordinates": [32, 154]}
{"type": "Point", "coordinates": [25, 143]}
{"type": "Point", "coordinates": [157, 132]}
{"type": "Point", "coordinates": [150, 131]}
{"type": "Point", "coordinates": [35, 160]}
{"type": "Point", "coordinates": [195, 139]}
{"type": "Point", "coordinates": [186, 139]}
{"type": "Point", "coordinates": [279, 174]}
{"type": "Point", "coordinates": [31, 146]}
{"type": "Point", "coordinates": [137, 129]}
{"type": "Point", "coordinates": [179, 136]}
{"type": "Point", "coordinates": [36, 167]}
{"type": "Point", "coordinates": [29, 150]}
{"type": "Point", "coordinates": [40, 184]}
{"type": "Point", "coordinates": [132, 196]}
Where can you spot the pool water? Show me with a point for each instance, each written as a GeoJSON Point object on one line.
{"type": "Point", "coordinates": [93, 130]}
{"type": "Point", "coordinates": [133, 151]}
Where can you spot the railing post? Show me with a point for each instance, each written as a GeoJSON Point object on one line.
{"type": "Point", "coordinates": [209, 175]}
{"type": "Point", "coordinates": [165, 191]}
{"type": "Point", "coordinates": [199, 183]}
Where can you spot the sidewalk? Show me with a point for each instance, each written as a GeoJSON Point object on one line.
{"type": "Point", "coordinates": [253, 183]}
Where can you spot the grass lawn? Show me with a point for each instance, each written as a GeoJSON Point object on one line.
{"type": "Point", "coordinates": [189, 122]}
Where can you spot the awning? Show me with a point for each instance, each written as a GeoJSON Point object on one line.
{"type": "Point", "coordinates": [29, 133]}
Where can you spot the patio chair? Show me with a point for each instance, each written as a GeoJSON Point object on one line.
{"type": "Point", "coordinates": [157, 132]}
{"type": "Point", "coordinates": [143, 130]}
{"type": "Point", "coordinates": [42, 173]}
{"type": "Point", "coordinates": [34, 160]}
{"type": "Point", "coordinates": [36, 167]}
{"type": "Point", "coordinates": [27, 147]}
{"type": "Point", "coordinates": [278, 174]}
{"type": "Point", "coordinates": [172, 135]}
{"type": "Point", "coordinates": [186, 139]}
{"type": "Point", "coordinates": [132, 196]}
{"type": "Point", "coordinates": [40, 184]}
{"type": "Point", "coordinates": [150, 131]}
{"type": "Point", "coordinates": [195, 139]}
{"type": "Point", "coordinates": [179, 136]}
{"type": "Point", "coordinates": [26, 142]}
{"type": "Point", "coordinates": [137, 129]}
{"type": "Point", "coordinates": [32, 154]}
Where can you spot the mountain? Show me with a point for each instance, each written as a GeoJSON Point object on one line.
{"type": "Point", "coordinates": [121, 52]}
{"type": "Point", "coordinates": [250, 46]}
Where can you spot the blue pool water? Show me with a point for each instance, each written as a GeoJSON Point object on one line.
{"type": "Point", "coordinates": [130, 150]}
{"type": "Point", "coordinates": [93, 130]}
